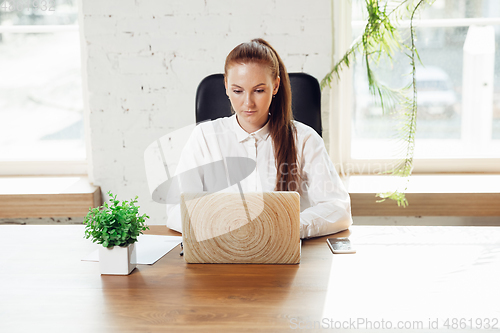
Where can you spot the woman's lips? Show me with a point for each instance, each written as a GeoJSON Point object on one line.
{"type": "Point", "coordinates": [249, 112]}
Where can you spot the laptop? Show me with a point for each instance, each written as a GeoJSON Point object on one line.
{"type": "Point", "coordinates": [236, 228]}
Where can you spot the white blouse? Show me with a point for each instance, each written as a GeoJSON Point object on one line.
{"type": "Point", "coordinates": [325, 205]}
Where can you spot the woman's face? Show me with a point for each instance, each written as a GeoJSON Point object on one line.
{"type": "Point", "coordinates": [250, 88]}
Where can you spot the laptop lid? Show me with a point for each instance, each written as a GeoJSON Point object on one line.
{"type": "Point", "coordinates": [260, 228]}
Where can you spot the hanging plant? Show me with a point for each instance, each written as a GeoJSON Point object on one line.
{"type": "Point", "coordinates": [381, 39]}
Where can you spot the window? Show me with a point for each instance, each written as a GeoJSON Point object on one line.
{"type": "Point", "coordinates": [41, 104]}
{"type": "Point", "coordinates": [458, 123]}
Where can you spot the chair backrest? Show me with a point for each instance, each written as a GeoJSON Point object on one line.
{"type": "Point", "coordinates": [212, 101]}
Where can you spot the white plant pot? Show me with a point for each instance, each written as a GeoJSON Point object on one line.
{"type": "Point", "coordinates": [117, 260]}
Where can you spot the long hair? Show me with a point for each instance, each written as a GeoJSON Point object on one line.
{"type": "Point", "coordinates": [281, 127]}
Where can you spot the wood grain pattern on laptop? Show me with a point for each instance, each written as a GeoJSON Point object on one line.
{"type": "Point", "coordinates": [223, 228]}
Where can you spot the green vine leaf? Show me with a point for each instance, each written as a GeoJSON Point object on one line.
{"type": "Point", "coordinates": [397, 196]}
{"type": "Point", "coordinates": [381, 40]}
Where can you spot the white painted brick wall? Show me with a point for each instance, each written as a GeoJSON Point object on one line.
{"type": "Point", "coordinates": [145, 59]}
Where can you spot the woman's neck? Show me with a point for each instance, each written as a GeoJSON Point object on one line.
{"type": "Point", "coordinates": [249, 128]}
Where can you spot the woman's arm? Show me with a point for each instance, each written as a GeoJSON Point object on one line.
{"type": "Point", "coordinates": [330, 210]}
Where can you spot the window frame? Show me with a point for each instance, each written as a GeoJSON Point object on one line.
{"type": "Point", "coordinates": [341, 106]}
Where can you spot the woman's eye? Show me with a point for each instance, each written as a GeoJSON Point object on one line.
{"type": "Point", "coordinates": [259, 90]}
{"type": "Point", "coordinates": [236, 91]}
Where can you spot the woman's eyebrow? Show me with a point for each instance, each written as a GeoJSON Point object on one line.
{"type": "Point", "coordinates": [260, 84]}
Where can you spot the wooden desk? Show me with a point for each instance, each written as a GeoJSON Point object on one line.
{"type": "Point", "coordinates": [398, 274]}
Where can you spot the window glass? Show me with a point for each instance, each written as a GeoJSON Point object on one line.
{"type": "Point", "coordinates": [458, 89]}
{"type": "Point", "coordinates": [41, 107]}
{"type": "Point", "coordinates": [441, 9]}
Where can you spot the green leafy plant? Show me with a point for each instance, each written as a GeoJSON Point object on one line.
{"type": "Point", "coordinates": [380, 39]}
{"type": "Point", "coordinates": [115, 225]}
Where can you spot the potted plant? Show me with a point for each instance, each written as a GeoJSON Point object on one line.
{"type": "Point", "coordinates": [116, 227]}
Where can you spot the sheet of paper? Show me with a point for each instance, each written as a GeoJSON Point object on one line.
{"type": "Point", "coordinates": [149, 248]}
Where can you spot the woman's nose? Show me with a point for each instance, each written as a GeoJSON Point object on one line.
{"type": "Point", "coordinates": [248, 100]}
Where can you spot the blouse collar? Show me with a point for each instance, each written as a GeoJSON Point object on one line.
{"type": "Point", "coordinates": [242, 135]}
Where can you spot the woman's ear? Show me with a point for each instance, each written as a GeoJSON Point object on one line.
{"type": "Point", "coordinates": [225, 85]}
{"type": "Point", "coordinates": [276, 85]}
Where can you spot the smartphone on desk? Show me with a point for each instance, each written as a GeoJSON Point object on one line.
{"type": "Point", "coordinates": [340, 245]}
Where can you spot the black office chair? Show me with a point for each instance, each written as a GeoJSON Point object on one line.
{"type": "Point", "coordinates": [212, 101]}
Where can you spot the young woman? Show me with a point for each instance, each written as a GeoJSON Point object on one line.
{"type": "Point", "coordinates": [289, 155]}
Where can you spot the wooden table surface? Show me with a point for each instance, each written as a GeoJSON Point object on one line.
{"type": "Point", "coordinates": [399, 275]}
